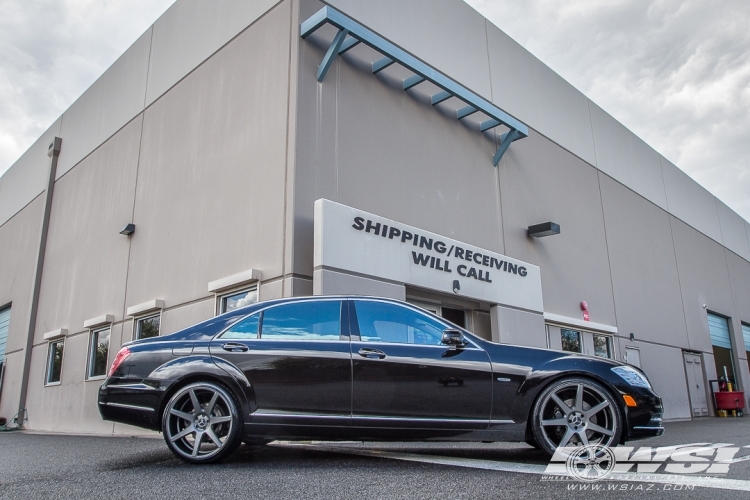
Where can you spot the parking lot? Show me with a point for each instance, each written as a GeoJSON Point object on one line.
{"type": "Point", "coordinates": [60, 466]}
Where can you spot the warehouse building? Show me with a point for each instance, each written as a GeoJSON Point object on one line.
{"type": "Point", "coordinates": [247, 150]}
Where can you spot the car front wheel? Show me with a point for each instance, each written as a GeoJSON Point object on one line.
{"type": "Point", "coordinates": [576, 412]}
{"type": "Point", "coordinates": [201, 423]}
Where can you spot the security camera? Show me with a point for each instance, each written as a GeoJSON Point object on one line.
{"type": "Point", "coordinates": [456, 286]}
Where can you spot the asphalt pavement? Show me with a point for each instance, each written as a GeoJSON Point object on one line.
{"type": "Point", "coordinates": [62, 466]}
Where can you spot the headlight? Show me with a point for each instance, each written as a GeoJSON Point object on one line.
{"type": "Point", "coordinates": [632, 376]}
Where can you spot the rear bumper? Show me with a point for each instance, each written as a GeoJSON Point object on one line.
{"type": "Point", "coordinates": [132, 404]}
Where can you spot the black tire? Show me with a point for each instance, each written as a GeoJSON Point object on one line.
{"type": "Point", "coordinates": [533, 444]}
{"type": "Point", "coordinates": [202, 423]}
{"type": "Point", "coordinates": [557, 420]}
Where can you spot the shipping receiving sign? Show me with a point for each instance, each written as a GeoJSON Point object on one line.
{"type": "Point", "coordinates": [351, 240]}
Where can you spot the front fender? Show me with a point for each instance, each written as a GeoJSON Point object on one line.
{"type": "Point", "coordinates": [556, 369]}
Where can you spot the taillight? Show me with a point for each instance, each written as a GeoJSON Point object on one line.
{"type": "Point", "coordinates": [124, 353]}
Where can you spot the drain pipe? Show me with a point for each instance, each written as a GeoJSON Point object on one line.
{"type": "Point", "coordinates": [53, 152]}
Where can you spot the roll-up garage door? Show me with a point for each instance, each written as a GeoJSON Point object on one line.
{"type": "Point", "coordinates": [719, 331]}
{"type": "Point", "coordinates": [721, 341]}
{"type": "Point", "coordinates": [4, 323]}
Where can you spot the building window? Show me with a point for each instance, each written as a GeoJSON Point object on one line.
{"type": "Point", "coordinates": [98, 353]}
{"type": "Point", "coordinates": [54, 362]}
{"type": "Point", "coordinates": [235, 300]}
{"type": "Point", "coordinates": [603, 346]}
{"type": "Point", "coordinates": [147, 327]}
{"type": "Point", "coordinates": [571, 340]}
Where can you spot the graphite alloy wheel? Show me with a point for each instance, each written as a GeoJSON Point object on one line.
{"type": "Point", "coordinates": [201, 423]}
{"type": "Point", "coordinates": [575, 412]}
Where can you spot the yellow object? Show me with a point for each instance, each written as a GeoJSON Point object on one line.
{"type": "Point", "coordinates": [729, 387]}
{"type": "Point", "coordinates": [629, 400]}
{"type": "Point", "coordinates": [721, 413]}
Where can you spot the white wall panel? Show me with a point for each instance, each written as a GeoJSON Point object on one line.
{"type": "Point", "coordinates": [86, 260]}
{"type": "Point", "coordinates": [626, 158]}
{"type": "Point", "coordinates": [111, 102]}
{"type": "Point", "coordinates": [526, 88]}
{"type": "Point", "coordinates": [690, 202]}
{"type": "Point", "coordinates": [190, 31]}
{"type": "Point", "coordinates": [446, 34]}
{"type": "Point", "coordinates": [211, 176]}
{"type": "Point", "coordinates": [733, 231]}
{"type": "Point", "coordinates": [27, 178]}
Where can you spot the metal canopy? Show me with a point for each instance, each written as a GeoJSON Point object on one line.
{"type": "Point", "coordinates": [351, 33]}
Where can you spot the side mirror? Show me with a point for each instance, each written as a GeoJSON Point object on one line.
{"type": "Point", "coordinates": [454, 338]}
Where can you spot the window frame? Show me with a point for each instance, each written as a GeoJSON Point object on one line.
{"type": "Point", "coordinates": [90, 358]}
{"type": "Point", "coordinates": [221, 297]}
{"type": "Point", "coordinates": [580, 340]}
{"type": "Point", "coordinates": [137, 322]}
{"type": "Point", "coordinates": [609, 339]}
{"type": "Point", "coordinates": [48, 370]}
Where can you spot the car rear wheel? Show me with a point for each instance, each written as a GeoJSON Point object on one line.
{"type": "Point", "coordinates": [201, 423]}
{"type": "Point", "coordinates": [575, 412]}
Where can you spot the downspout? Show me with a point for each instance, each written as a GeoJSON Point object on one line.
{"type": "Point", "coordinates": [53, 152]}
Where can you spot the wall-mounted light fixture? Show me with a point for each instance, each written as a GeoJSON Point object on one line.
{"type": "Point", "coordinates": [128, 229]}
{"type": "Point", "coordinates": [544, 229]}
{"type": "Point", "coordinates": [632, 336]}
{"type": "Point", "coordinates": [456, 286]}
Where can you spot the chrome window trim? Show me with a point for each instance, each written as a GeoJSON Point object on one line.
{"type": "Point", "coordinates": [269, 306]}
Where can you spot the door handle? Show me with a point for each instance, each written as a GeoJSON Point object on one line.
{"type": "Point", "coordinates": [371, 353]}
{"type": "Point", "coordinates": [235, 347]}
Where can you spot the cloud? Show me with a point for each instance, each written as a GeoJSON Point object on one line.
{"type": "Point", "coordinates": [675, 72]}
{"type": "Point", "coordinates": [51, 51]}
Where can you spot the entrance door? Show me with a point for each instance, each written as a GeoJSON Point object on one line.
{"type": "Point", "coordinates": [633, 356]}
{"type": "Point", "coordinates": [404, 376]}
{"type": "Point", "coordinates": [696, 388]}
{"type": "Point", "coordinates": [455, 316]}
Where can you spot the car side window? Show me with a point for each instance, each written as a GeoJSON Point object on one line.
{"type": "Point", "coordinates": [314, 320]}
{"type": "Point", "coordinates": [384, 322]}
{"type": "Point", "coordinates": [244, 329]}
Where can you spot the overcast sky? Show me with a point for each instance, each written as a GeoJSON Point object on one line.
{"type": "Point", "coordinates": [675, 72]}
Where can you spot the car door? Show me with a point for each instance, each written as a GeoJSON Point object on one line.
{"type": "Point", "coordinates": [297, 358]}
{"type": "Point", "coordinates": [404, 376]}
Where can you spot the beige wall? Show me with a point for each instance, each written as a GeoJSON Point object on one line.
{"type": "Point", "coordinates": [210, 194]}
{"type": "Point", "coordinates": [205, 185]}
{"type": "Point", "coordinates": [218, 156]}
{"type": "Point", "coordinates": [19, 238]}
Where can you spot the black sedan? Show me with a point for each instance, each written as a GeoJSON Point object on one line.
{"type": "Point", "coordinates": [359, 368]}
